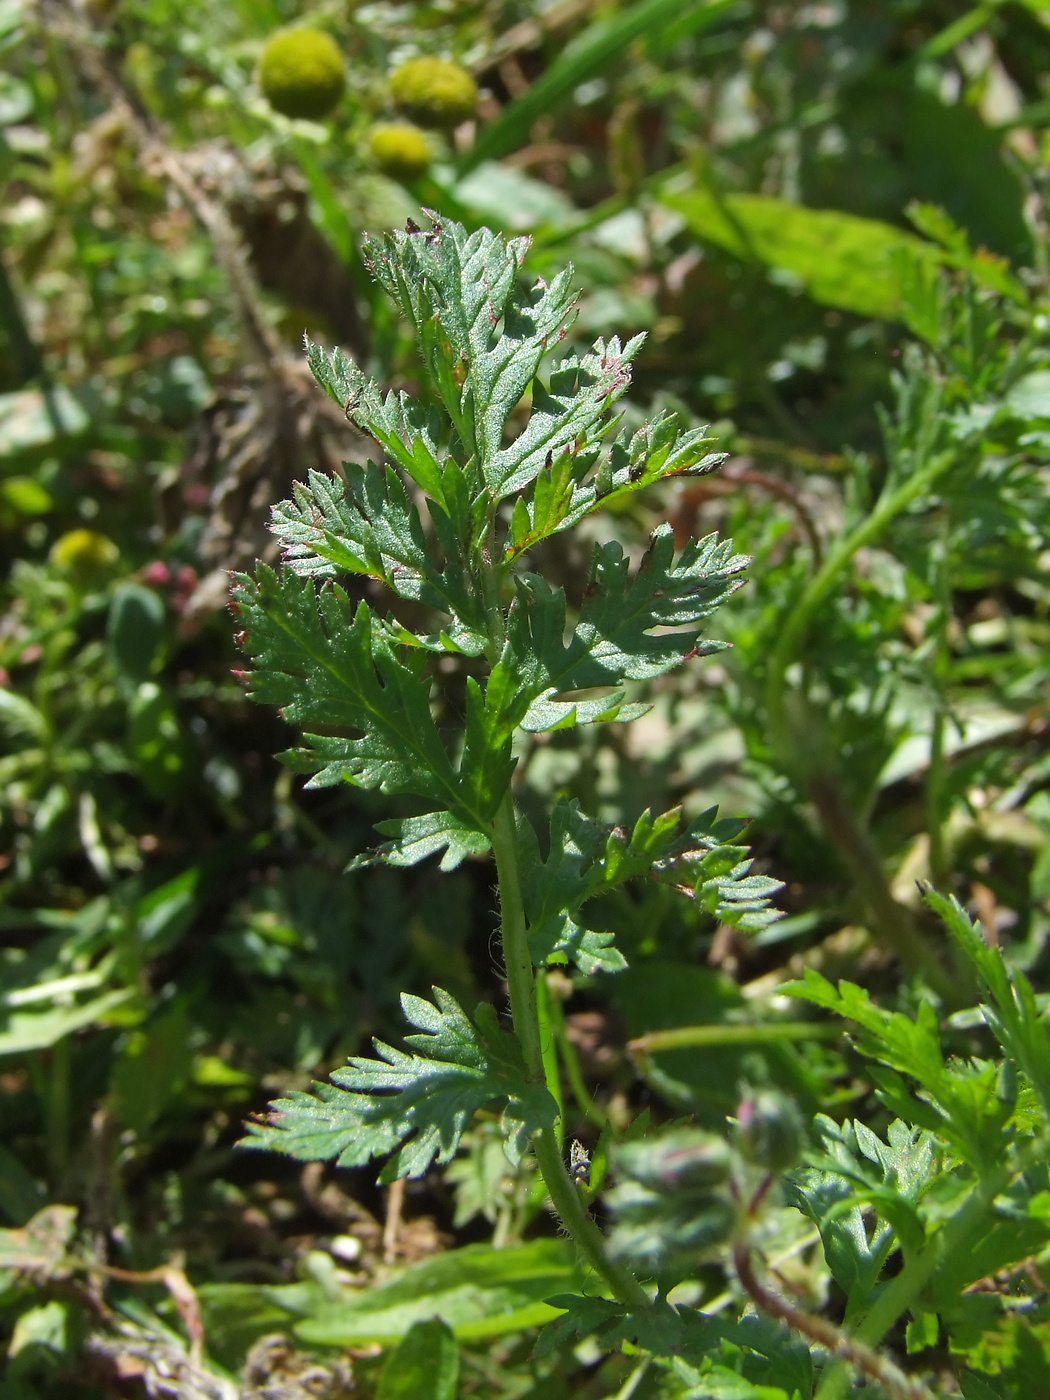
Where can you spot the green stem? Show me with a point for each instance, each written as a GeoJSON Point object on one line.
{"type": "Point", "coordinates": [574, 1217]}
{"type": "Point", "coordinates": [549, 1050]}
{"type": "Point", "coordinates": [935, 781]}
{"type": "Point", "coordinates": [682, 1037]}
{"type": "Point", "coordinates": [793, 632]}
{"type": "Point", "coordinates": [513, 932]}
{"type": "Point", "coordinates": [588, 1239]}
{"type": "Point", "coordinates": [524, 1005]}
{"type": "Point", "coordinates": [491, 580]}
{"type": "Point", "coordinates": [891, 920]}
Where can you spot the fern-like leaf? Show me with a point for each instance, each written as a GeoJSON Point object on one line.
{"type": "Point", "coordinates": [415, 1105]}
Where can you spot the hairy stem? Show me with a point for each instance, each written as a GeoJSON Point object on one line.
{"type": "Point", "coordinates": [569, 1058]}
{"type": "Point", "coordinates": [586, 1236]}
{"type": "Point", "coordinates": [853, 1353]}
{"type": "Point", "coordinates": [524, 1006]}
{"type": "Point", "coordinates": [516, 957]}
{"type": "Point", "coordinates": [522, 986]}
{"type": "Point", "coordinates": [565, 1198]}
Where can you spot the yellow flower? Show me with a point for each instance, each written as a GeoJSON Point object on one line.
{"type": "Point", "coordinates": [434, 92]}
{"type": "Point", "coordinates": [301, 73]}
{"type": "Point", "coordinates": [399, 149]}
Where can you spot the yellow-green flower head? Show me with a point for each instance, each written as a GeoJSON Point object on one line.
{"type": "Point", "coordinates": [84, 555]}
{"type": "Point", "coordinates": [301, 73]}
{"type": "Point", "coordinates": [399, 149]}
{"type": "Point", "coordinates": [434, 92]}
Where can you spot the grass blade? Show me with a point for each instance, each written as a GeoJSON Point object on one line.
{"type": "Point", "coordinates": [585, 56]}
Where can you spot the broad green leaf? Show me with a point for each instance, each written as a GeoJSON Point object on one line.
{"type": "Point", "coordinates": [477, 1291]}
{"type": "Point", "coordinates": [415, 1106]}
{"type": "Point", "coordinates": [424, 1366]}
{"type": "Point", "coordinates": [25, 496]}
{"type": "Point", "coordinates": [512, 200]}
{"type": "Point", "coordinates": [134, 630]}
{"type": "Point", "coordinates": [589, 53]}
{"type": "Point", "coordinates": [841, 259]}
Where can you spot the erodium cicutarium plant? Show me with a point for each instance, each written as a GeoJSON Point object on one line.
{"type": "Point", "coordinates": [446, 518]}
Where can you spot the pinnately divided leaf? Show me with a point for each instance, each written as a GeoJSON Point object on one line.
{"type": "Point", "coordinates": [565, 412]}
{"type": "Point", "coordinates": [481, 334]}
{"type": "Point", "coordinates": [615, 638]}
{"type": "Point", "coordinates": [579, 480]}
{"type": "Point", "coordinates": [407, 430]}
{"type": "Point", "coordinates": [957, 1099]}
{"type": "Point", "coordinates": [416, 838]}
{"type": "Point", "coordinates": [413, 1105]}
{"type": "Point", "coordinates": [365, 525]}
{"type": "Point", "coordinates": [362, 698]}
{"type": "Point", "coordinates": [585, 858]}
{"type": "Point", "coordinates": [1014, 1015]}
